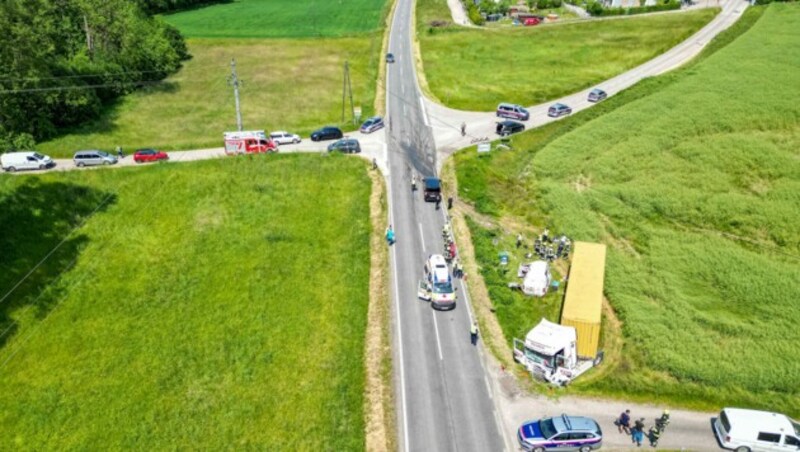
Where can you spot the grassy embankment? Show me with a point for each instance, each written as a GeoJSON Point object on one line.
{"type": "Point", "coordinates": [211, 305]}
{"type": "Point", "coordinates": [691, 179]}
{"type": "Point", "coordinates": [475, 69]}
{"type": "Point", "coordinates": [290, 57]}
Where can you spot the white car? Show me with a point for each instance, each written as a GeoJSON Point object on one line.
{"type": "Point", "coordinates": [537, 279]}
{"type": "Point", "coordinates": [283, 137]}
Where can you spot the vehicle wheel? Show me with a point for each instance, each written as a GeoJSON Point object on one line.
{"type": "Point", "coordinates": [106, 162]}
{"type": "Point", "coordinates": [296, 141]}
{"type": "Point", "coordinates": [80, 164]}
{"type": "Point", "coordinates": [743, 449]}
{"type": "Point", "coordinates": [586, 449]}
{"type": "Point", "coordinates": [539, 449]}
{"type": "Point", "coordinates": [41, 167]}
{"type": "Point", "coordinates": [11, 169]}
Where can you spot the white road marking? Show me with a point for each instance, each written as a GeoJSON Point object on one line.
{"type": "Point", "coordinates": [438, 342]}
{"type": "Point", "coordinates": [488, 388]}
{"type": "Point", "coordinates": [399, 331]}
{"type": "Point", "coordinates": [404, 110]}
{"type": "Point", "coordinates": [421, 237]}
{"type": "Point", "coordinates": [424, 114]}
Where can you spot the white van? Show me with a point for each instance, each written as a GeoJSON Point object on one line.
{"type": "Point", "coordinates": [440, 284]}
{"type": "Point", "coordinates": [754, 431]}
{"type": "Point", "coordinates": [537, 279]}
{"type": "Point", "coordinates": [13, 161]}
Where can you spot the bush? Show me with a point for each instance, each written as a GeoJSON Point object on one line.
{"type": "Point", "coordinates": [597, 9]}
{"type": "Point", "coordinates": [474, 14]}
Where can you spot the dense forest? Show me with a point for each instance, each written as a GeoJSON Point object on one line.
{"type": "Point", "coordinates": [61, 61]}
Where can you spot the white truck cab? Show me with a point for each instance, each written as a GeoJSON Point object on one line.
{"type": "Point", "coordinates": [745, 430]}
{"type": "Point", "coordinates": [14, 161]}
{"type": "Point", "coordinates": [549, 352]}
{"type": "Point", "coordinates": [441, 292]}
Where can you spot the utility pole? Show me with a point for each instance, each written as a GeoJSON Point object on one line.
{"type": "Point", "coordinates": [234, 80]}
{"type": "Point", "coordinates": [346, 86]}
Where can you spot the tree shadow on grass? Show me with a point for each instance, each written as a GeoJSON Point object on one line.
{"type": "Point", "coordinates": [37, 219]}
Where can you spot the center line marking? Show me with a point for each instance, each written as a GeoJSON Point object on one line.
{"type": "Point", "coordinates": [438, 342]}
{"type": "Point", "coordinates": [421, 237]}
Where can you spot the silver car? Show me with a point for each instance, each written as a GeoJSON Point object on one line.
{"type": "Point", "coordinates": [91, 158]}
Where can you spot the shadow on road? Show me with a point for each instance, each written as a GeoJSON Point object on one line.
{"type": "Point", "coordinates": [34, 218]}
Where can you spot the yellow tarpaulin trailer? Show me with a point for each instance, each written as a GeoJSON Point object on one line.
{"type": "Point", "coordinates": [584, 299]}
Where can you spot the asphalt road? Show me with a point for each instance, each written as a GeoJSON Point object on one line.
{"type": "Point", "coordinates": [444, 397]}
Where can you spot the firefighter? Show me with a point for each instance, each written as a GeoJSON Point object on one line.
{"type": "Point", "coordinates": [653, 436]}
{"type": "Point", "coordinates": [414, 182]}
{"type": "Point", "coordinates": [473, 333]}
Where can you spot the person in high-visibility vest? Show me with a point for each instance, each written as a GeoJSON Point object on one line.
{"type": "Point", "coordinates": [473, 333]}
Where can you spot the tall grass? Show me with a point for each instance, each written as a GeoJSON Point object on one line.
{"type": "Point", "coordinates": [692, 180]}
{"type": "Point", "coordinates": [475, 69]}
{"type": "Point", "coordinates": [280, 19]}
{"type": "Point", "coordinates": [213, 305]}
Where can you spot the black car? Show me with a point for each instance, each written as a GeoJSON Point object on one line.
{"type": "Point", "coordinates": [506, 128]}
{"type": "Point", "coordinates": [596, 95]}
{"type": "Point", "coordinates": [559, 110]}
{"type": "Point", "coordinates": [346, 145]}
{"type": "Point", "coordinates": [326, 133]}
{"type": "Point", "coordinates": [390, 58]}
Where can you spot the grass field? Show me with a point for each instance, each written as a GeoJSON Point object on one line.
{"type": "Point", "coordinates": [280, 19]}
{"type": "Point", "coordinates": [211, 305]}
{"type": "Point", "coordinates": [694, 189]}
{"type": "Point", "coordinates": [475, 69]}
{"type": "Point", "coordinates": [194, 107]}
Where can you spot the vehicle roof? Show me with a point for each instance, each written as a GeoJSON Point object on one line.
{"type": "Point", "coordinates": [597, 90]}
{"type": "Point", "coordinates": [283, 132]}
{"type": "Point", "coordinates": [745, 420]}
{"type": "Point", "coordinates": [566, 423]}
{"type": "Point", "coordinates": [559, 105]}
{"type": "Point", "coordinates": [432, 183]}
{"type": "Point", "coordinates": [509, 122]}
{"type": "Point", "coordinates": [506, 104]}
{"type": "Point", "coordinates": [20, 153]}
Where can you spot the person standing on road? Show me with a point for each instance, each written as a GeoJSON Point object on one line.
{"type": "Point", "coordinates": [624, 422]}
{"type": "Point", "coordinates": [637, 434]}
{"type": "Point", "coordinates": [463, 129]}
{"type": "Point", "coordinates": [119, 153]}
{"type": "Point", "coordinates": [473, 333]}
{"type": "Point", "coordinates": [654, 435]}
{"type": "Point", "coordinates": [390, 235]}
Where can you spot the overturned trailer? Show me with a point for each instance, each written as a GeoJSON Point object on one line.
{"type": "Point", "coordinates": [559, 353]}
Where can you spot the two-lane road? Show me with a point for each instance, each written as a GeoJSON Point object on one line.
{"type": "Point", "coordinates": [444, 398]}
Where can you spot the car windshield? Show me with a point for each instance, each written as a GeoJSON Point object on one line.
{"type": "Point", "coordinates": [442, 287]}
{"type": "Point", "coordinates": [547, 427]}
{"type": "Point", "coordinates": [102, 153]}
{"type": "Point", "coordinates": [38, 156]}
{"type": "Point", "coordinates": [796, 427]}
{"type": "Point", "coordinates": [539, 358]}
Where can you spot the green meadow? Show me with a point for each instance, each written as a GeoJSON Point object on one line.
{"type": "Point", "coordinates": [692, 180]}
{"type": "Point", "coordinates": [208, 305]}
{"type": "Point", "coordinates": [475, 69]}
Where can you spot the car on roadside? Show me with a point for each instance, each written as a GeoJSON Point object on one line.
{"type": "Point", "coordinates": [92, 158]}
{"type": "Point", "coordinates": [15, 161]}
{"type": "Point", "coordinates": [507, 127]}
{"type": "Point", "coordinates": [512, 111]}
{"type": "Point", "coordinates": [284, 137]}
{"type": "Point", "coordinates": [596, 95]}
{"type": "Point", "coordinates": [561, 433]}
{"type": "Point", "coordinates": [326, 133]}
{"type": "Point", "coordinates": [345, 145]}
{"type": "Point", "coordinates": [390, 58]}
{"type": "Point", "coordinates": [531, 21]}
{"type": "Point", "coordinates": [372, 124]}
{"type": "Point", "coordinates": [149, 155]}
{"type": "Point", "coordinates": [558, 110]}
{"type": "Point", "coordinates": [745, 430]}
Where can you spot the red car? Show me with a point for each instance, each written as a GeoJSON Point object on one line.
{"type": "Point", "coordinates": [531, 21]}
{"type": "Point", "coordinates": [149, 155]}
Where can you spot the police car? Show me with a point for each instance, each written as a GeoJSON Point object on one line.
{"type": "Point", "coordinates": [574, 433]}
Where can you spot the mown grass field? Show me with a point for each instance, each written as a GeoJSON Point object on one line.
{"type": "Point", "coordinates": [292, 77]}
{"type": "Point", "coordinates": [692, 180]}
{"type": "Point", "coordinates": [193, 108]}
{"type": "Point", "coordinates": [475, 69]}
{"type": "Point", "coordinates": [280, 19]}
{"type": "Point", "coordinates": [211, 305]}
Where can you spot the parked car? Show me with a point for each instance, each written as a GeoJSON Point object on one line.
{"type": "Point", "coordinates": [596, 95]}
{"type": "Point", "coordinates": [149, 155]}
{"type": "Point", "coordinates": [13, 161]}
{"type": "Point", "coordinates": [346, 145]}
{"type": "Point", "coordinates": [93, 157]}
{"type": "Point", "coordinates": [283, 137]}
{"type": "Point", "coordinates": [512, 111]}
{"type": "Point", "coordinates": [745, 430]}
{"type": "Point", "coordinates": [372, 124]}
{"type": "Point", "coordinates": [390, 58]}
{"type": "Point", "coordinates": [559, 110]}
{"type": "Point", "coordinates": [326, 133]}
{"type": "Point", "coordinates": [572, 433]}
{"type": "Point", "coordinates": [507, 127]}
{"type": "Point", "coordinates": [530, 21]}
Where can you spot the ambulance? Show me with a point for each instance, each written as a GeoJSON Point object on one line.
{"type": "Point", "coordinates": [248, 142]}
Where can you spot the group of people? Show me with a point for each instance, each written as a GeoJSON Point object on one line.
{"type": "Point", "coordinates": [623, 422]}
{"type": "Point", "coordinates": [550, 248]}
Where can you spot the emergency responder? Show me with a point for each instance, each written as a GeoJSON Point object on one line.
{"type": "Point", "coordinates": [473, 333]}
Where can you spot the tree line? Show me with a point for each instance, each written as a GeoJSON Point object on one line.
{"type": "Point", "coordinates": [62, 61]}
